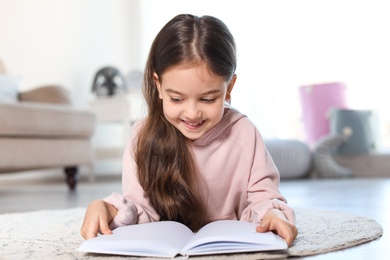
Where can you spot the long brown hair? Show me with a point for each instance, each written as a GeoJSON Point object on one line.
{"type": "Point", "coordinates": [166, 169]}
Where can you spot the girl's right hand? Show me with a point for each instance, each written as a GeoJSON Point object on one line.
{"type": "Point", "coordinates": [97, 218]}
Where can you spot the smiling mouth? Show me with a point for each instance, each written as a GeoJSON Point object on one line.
{"type": "Point", "coordinates": [192, 125]}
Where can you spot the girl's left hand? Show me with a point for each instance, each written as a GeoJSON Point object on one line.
{"type": "Point", "coordinates": [274, 220]}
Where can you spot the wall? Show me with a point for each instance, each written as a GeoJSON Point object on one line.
{"type": "Point", "coordinates": [281, 46]}
{"type": "Point", "coordinates": [286, 44]}
{"type": "Point", "coordinates": [66, 41]}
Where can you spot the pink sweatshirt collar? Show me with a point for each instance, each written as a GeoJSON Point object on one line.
{"type": "Point", "coordinates": [230, 116]}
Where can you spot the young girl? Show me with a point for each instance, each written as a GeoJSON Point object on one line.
{"type": "Point", "coordinates": [194, 159]}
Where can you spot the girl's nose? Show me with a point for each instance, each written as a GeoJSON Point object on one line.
{"type": "Point", "coordinates": [192, 112]}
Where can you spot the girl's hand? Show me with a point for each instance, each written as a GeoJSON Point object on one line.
{"type": "Point", "coordinates": [97, 219]}
{"type": "Point", "coordinates": [274, 220]}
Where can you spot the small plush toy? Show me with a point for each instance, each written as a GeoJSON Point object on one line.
{"type": "Point", "coordinates": [108, 82]}
{"type": "Point", "coordinates": [324, 163]}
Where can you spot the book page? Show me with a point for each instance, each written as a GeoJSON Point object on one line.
{"type": "Point", "coordinates": [160, 239]}
{"type": "Point", "coordinates": [227, 236]}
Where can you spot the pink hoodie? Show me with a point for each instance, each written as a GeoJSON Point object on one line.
{"type": "Point", "coordinates": [240, 178]}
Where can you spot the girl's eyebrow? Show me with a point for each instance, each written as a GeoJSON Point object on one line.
{"type": "Point", "coordinates": [213, 91]}
{"type": "Point", "coordinates": [173, 91]}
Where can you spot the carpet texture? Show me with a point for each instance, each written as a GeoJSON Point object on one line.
{"type": "Point", "coordinates": [54, 234]}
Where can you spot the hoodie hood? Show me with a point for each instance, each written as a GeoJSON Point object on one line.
{"type": "Point", "coordinates": [230, 117]}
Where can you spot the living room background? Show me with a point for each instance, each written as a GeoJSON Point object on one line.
{"type": "Point", "coordinates": [282, 45]}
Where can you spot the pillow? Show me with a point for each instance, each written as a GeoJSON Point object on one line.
{"type": "Point", "coordinates": [293, 158]}
{"type": "Point", "coordinates": [9, 87]}
{"type": "Point", "coordinates": [47, 94]}
{"type": "Point", "coordinates": [362, 128]}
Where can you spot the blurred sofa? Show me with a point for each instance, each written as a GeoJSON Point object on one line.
{"type": "Point", "coordinates": [41, 129]}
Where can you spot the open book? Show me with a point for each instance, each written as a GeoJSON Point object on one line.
{"type": "Point", "coordinates": [170, 239]}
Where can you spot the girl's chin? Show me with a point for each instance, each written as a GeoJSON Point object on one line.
{"type": "Point", "coordinates": [193, 135]}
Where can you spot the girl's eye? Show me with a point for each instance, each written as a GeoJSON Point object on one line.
{"type": "Point", "coordinates": [175, 100]}
{"type": "Point", "coordinates": [208, 100]}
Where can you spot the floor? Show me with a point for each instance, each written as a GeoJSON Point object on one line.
{"type": "Point", "coordinates": [367, 197]}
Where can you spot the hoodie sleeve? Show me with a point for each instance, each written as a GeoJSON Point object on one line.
{"type": "Point", "coordinates": [133, 207]}
{"type": "Point", "coordinates": [263, 186]}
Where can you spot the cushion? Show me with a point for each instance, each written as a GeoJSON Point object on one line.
{"type": "Point", "coordinates": [293, 158]}
{"type": "Point", "coordinates": [34, 153]}
{"type": "Point", "coordinates": [9, 86]}
{"type": "Point", "coordinates": [41, 120]}
{"type": "Point", "coordinates": [46, 94]}
{"type": "Point", "coordinates": [361, 127]}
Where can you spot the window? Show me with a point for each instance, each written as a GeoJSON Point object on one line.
{"type": "Point", "coordinates": [287, 44]}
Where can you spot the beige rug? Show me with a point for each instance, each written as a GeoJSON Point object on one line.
{"type": "Point", "coordinates": [54, 234]}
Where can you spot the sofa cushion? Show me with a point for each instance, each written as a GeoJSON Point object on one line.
{"type": "Point", "coordinates": [46, 94]}
{"type": "Point", "coordinates": [45, 120]}
{"type": "Point", "coordinates": [19, 154]}
{"type": "Point", "coordinates": [9, 89]}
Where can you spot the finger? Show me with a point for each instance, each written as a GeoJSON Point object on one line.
{"type": "Point", "coordinates": [287, 236]}
{"type": "Point", "coordinates": [287, 233]}
{"type": "Point", "coordinates": [90, 232]}
{"type": "Point", "coordinates": [104, 228]}
{"type": "Point", "coordinates": [263, 227]}
{"type": "Point", "coordinates": [282, 232]}
{"type": "Point", "coordinates": [82, 232]}
{"type": "Point", "coordinates": [85, 232]}
{"type": "Point", "coordinates": [90, 235]}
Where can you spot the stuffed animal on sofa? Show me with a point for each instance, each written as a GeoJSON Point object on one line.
{"type": "Point", "coordinates": [109, 81]}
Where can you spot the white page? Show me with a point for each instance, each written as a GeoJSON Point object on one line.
{"type": "Point", "coordinates": [229, 231]}
{"type": "Point", "coordinates": [164, 238]}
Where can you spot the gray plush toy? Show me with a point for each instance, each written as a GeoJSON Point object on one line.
{"type": "Point", "coordinates": [324, 163]}
{"type": "Point", "coordinates": [109, 81]}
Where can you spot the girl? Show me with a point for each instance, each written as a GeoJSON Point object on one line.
{"type": "Point", "coordinates": [194, 159]}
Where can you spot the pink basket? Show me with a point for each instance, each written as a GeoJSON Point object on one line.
{"type": "Point", "coordinates": [316, 102]}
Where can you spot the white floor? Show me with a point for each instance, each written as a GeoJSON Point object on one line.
{"type": "Point", "coordinates": [367, 197]}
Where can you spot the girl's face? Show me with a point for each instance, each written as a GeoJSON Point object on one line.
{"type": "Point", "coordinates": [193, 99]}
